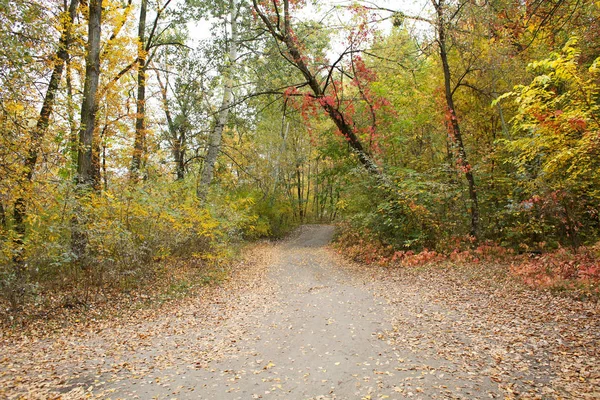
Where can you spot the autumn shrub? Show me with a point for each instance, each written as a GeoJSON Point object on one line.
{"type": "Point", "coordinates": [561, 269]}
{"type": "Point", "coordinates": [275, 217]}
{"type": "Point", "coordinates": [127, 229]}
{"type": "Point", "coordinates": [577, 271]}
{"type": "Point", "coordinates": [553, 153]}
{"type": "Point", "coordinates": [258, 216]}
{"type": "Point", "coordinates": [365, 246]}
{"type": "Point", "coordinates": [360, 245]}
{"type": "Point", "coordinates": [417, 213]}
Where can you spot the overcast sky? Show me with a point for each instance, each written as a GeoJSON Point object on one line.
{"type": "Point", "coordinates": [199, 31]}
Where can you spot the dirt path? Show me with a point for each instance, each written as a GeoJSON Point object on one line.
{"type": "Point", "coordinates": [303, 324]}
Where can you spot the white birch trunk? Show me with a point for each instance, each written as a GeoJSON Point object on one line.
{"type": "Point", "coordinates": [215, 138]}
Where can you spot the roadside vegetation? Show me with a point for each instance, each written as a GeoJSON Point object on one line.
{"type": "Point", "coordinates": [137, 154]}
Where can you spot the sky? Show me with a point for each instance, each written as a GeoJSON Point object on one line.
{"type": "Point", "coordinates": [200, 31]}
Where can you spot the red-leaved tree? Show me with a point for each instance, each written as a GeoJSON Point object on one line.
{"type": "Point", "coordinates": [326, 81]}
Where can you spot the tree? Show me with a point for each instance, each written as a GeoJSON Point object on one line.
{"type": "Point", "coordinates": [37, 133]}
{"type": "Point", "coordinates": [452, 119]}
{"type": "Point", "coordinates": [85, 169]}
{"type": "Point", "coordinates": [86, 178]}
{"type": "Point", "coordinates": [140, 123]}
{"type": "Point", "coordinates": [145, 45]}
{"type": "Point", "coordinates": [215, 137]}
{"type": "Point", "coordinates": [324, 90]}
{"type": "Point", "coordinates": [182, 76]}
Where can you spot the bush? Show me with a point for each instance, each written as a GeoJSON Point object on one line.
{"type": "Point", "coordinates": [126, 230]}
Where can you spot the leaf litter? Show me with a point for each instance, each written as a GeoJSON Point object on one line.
{"type": "Point", "coordinates": [296, 320]}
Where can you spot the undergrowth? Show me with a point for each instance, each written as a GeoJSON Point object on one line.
{"type": "Point", "coordinates": [569, 271]}
{"type": "Point", "coordinates": [152, 240]}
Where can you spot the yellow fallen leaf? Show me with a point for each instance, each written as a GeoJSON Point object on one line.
{"type": "Point", "coordinates": [269, 365]}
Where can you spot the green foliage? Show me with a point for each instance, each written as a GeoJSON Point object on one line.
{"type": "Point", "coordinates": [426, 206]}
{"type": "Point", "coordinates": [275, 217]}
{"type": "Point", "coordinates": [557, 121]}
{"type": "Point", "coordinates": [555, 150]}
{"type": "Point", "coordinates": [127, 230]}
{"type": "Point", "coordinates": [537, 182]}
{"type": "Point", "coordinates": [535, 158]}
{"type": "Point", "coordinates": [420, 213]}
{"type": "Point", "coordinates": [247, 215]}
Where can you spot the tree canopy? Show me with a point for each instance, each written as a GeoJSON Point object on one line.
{"type": "Point", "coordinates": [135, 130]}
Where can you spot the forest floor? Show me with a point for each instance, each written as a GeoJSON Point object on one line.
{"type": "Point", "coordinates": [295, 320]}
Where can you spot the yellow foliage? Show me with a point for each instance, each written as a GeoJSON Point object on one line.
{"type": "Point", "coordinates": [128, 227]}
{"type": "Point", "coordinates": [556, 122]}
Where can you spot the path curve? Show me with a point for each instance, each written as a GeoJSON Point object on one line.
{"type": "Point", "coordinates": [297, 321]}
{"type": "Point", "coordinates": [322, 336]}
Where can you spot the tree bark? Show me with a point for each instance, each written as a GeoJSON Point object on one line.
{"type": "Point", "coordinates": [3, 222]}
{"type": "Point", "coordinates": [89, 106]}
{"type": "Point", "coordinates": [285, 129]}
{"type": "Point", "coordinates": [140, 118]}
{"type": "Point", "coordinates": [214, 140]}
{"type": "Point", "coordinates": [87, 177]}
{"type": "Point", "coordinates": [37, 134]}
{"type": "Point", "coordinates": [307, 197]}
{"type": "Point", "coordinates": [299, 193]}
{"type": "Point", "coordinates": [73, 140]}
{"type": "Point", "coordinates": [285, 35]}
{"type": "Point", "coordinates": [177, 133]}
{"type": "Point", "coordinates": [454, 125]}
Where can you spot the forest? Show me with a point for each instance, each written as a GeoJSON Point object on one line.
{"type": "Point", "coordinates": [141, 140]}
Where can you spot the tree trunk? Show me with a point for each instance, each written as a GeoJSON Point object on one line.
{"type": "Point", "coordinates": [37, 134]}
{"type": "Point", "coordinates": [299, 193]}
{"type": "Point", "coordinates": [140, 118]}
{"type": "Point", "coordinates": [3, 222]}
{"type": "Point", "coordinates": [285, 129]}
{"type": "Point", "coordinates": [214, 140]}
{"type": "Point", "coordinates": [89, 106]}
{"type": "Point", "coordinates": [179, 155]}
{"type": "Point", "coordinates": [177, 133]}
{"type": "Point", "coordinates": [454, 126]}
{"type": "Point", "coordinates": [86, 176]}
{"type": "Point", "coordinates": [307, 197]}
{"type": "Point", "coordinates": [104, 174]}
{"type": "Point", "coordinates": [73, 142]}
{"type": "Point", "coordinates": [286, 36]}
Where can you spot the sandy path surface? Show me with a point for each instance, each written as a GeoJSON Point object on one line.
{"type": "Point", "coordinates": [301, 323]}
{"type": "Point", "coordinates": [320, 335]}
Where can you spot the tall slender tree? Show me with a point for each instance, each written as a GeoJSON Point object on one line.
{"type": "Point", "coordinates": [89, 106]}
{"type": "Point", "coordinates": [86, 178]}
{"type": "Point", "coordinates": [38, 132]}
{"type": "Point", "coordinates": [140, 116]}
{"type": "Point", "coordinates": [216, 136]}
{"type": "Point", "coordinates": [455, 134]}
{"type": "Point", "coordinates": [145, 45]}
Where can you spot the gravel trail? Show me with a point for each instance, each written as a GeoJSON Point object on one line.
{"type": "Point", "coordinates": [297, 321]}
{"type": "Point", "coordinates": [321, 334]}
